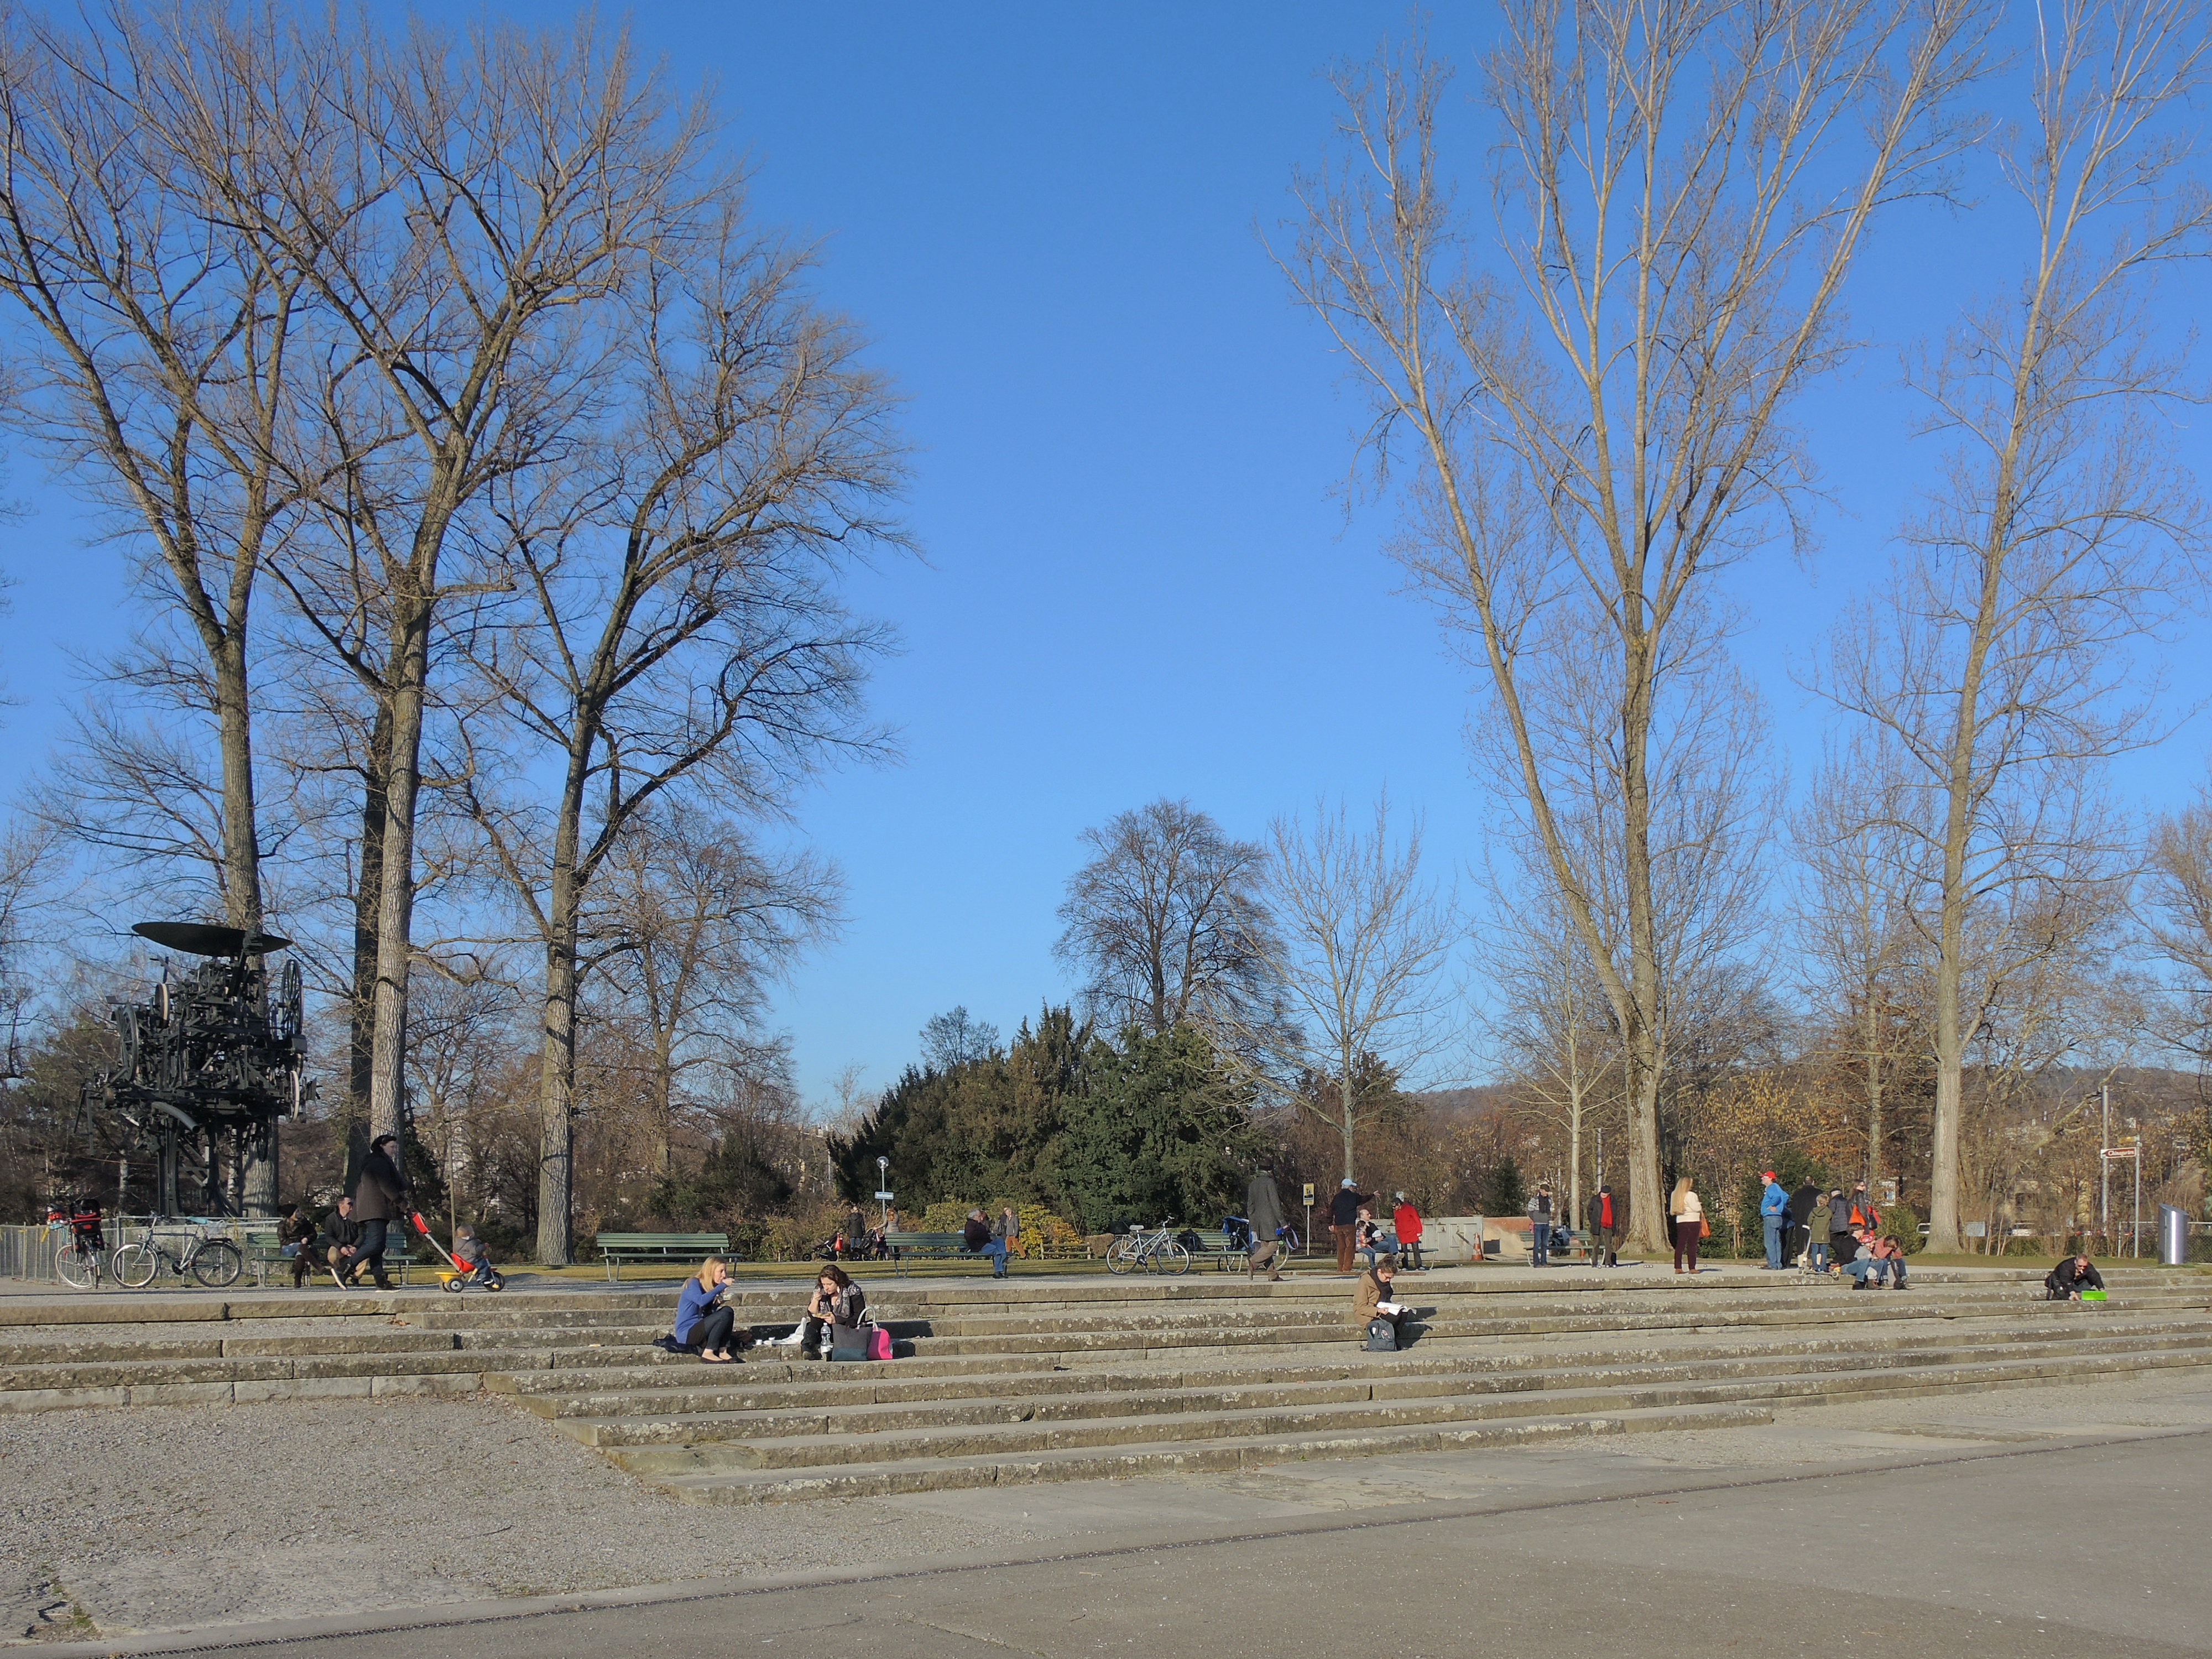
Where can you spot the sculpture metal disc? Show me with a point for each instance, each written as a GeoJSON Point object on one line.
{"type": "Point", "coordinates": [203, 940]}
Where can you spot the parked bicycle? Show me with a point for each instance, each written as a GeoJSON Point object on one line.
{"type": "Point", "coordinates": [1156, 1251]}
{"type": "Point", "coordinates": [207, 1257]}
{"type": "Point", "coordinates": [77, 1263]}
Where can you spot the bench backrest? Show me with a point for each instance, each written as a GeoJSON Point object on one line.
{"type": "Point", "coordinates": [662, 1240]}
{"type": "Point", "coordinates": [925, 1238]}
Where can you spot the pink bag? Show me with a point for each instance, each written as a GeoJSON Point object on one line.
{"type": "Point", "coordinates": [880, 1343]}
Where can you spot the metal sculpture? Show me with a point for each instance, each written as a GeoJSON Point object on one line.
{"type": "Point", "coordinates": [206, 1067]}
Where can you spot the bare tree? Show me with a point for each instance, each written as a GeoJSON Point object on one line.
{"type": "Point", "coordinates": [698, 925]}
{"type": "Point", "coordinates": [2177, 911]}
{"type": "Point", "coordinates": [468, 211]}
{"type": "Point", "coordinates": [1599, 414]}
{"type": "Point", "coordinates": [1166, 922]}
{"type": "Point", "coordinates": [2063, 530]}
{"type": "Point", "coordinates": [1358, 942]}
{"type": "Point", "coordinates": [674, 625]}
{"type": "Point", "coordinates": [1859, 942]}
{"type": "Point", "coordinates": [160, 344]}
{"type": "Point", "coordinates": [953, 1038]}
{"type": "Point", "coordinates": [1553, 1023]}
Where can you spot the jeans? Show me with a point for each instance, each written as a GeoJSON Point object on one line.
{"type": "Point", "coordinates": [996, 1249]}
{"type": "Point", "coordinates": [1816, 1256]}
{"type": "Point", "coordinates": [1879, 1271]}
{"type": "Point", "coordinates": [1773, 1224]}
{"type": "Point", "coordinates": [369, 1255]}
{"type": "Point", "coordinates": [1412, 1252]}
{"type": "Point", "coordinates": [1540, 1245]}
{"type": "Point", "coordinates": [710, 1332]}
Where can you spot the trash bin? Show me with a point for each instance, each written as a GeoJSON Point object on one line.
{"type": "Point", "coordinates": [2172, 1235]}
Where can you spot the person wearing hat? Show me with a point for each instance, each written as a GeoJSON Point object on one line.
{"type": "Point", "coordinates": [1773, 1217]}
{"type": "Point", "coordinates": [1344, 1222]}
{"type": "Point", "coordinates": [1408, 1220]}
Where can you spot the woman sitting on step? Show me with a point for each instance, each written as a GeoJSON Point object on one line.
{"type": "Point", "coordinates": [837, 1304]}
{"type": "Point", "coordinates": [705, 1322]}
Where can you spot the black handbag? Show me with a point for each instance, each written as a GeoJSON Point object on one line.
{"type": "Point", "coordinates": [849, 1341]}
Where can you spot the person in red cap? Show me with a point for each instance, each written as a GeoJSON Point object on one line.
{"type": "Point", "coordinates": [1773, 1217]}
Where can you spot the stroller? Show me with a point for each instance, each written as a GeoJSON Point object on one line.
{"type": "Point", "coordinates": [462, 1274]}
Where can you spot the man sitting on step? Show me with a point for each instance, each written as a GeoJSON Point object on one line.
{"type": "Point", "coordinates": [1372, 1299]}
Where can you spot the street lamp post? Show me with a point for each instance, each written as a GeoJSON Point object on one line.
{"type": "Point", "coordinates": [882, 1192]}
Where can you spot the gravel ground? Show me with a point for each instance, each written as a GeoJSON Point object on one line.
{"type": "Point", "coordinates": [114, 1521]}
{"type": "Point", "coordinates": [120, 1520]}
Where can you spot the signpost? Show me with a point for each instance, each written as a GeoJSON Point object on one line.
{"type": "Point", "coordinates": [2133, 1155]}
{"type": "Point", "coordinates": [1309, 1217]}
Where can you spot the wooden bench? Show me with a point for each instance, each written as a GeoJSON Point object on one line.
{"type": "Point", "coordinates": [264, 1254]}
{"type": "Point", "coordinates": [615, 1249]}
{"type": "Point", "coordinates": [902, 1245]}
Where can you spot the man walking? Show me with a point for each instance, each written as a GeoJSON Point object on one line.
{"type": "Point", "coordinates": [380, 1198]}
{"type": "Point", "coordinates": [1539, 1227]}
{"type": "Point", "coordinates": [1344, 1223]}
{"type": "Point", "coordinates": [1604, 1229]}
{"type": "Point", "coordinates": [1263, 1207]}
{"type": "Point", "coordinates": [1773, 1218]}
{"type": "Point", "coordinates": [1407, 1219]}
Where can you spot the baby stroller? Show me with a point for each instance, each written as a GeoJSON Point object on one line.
{"type": "Point", "coordinates": [462, 1274]}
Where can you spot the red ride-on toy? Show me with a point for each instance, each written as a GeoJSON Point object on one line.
{"type": "Point", "coordinates": [463, 1274]}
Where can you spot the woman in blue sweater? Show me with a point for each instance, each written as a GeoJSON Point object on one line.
{"type": "Point", "coordinates": [704, 1322]}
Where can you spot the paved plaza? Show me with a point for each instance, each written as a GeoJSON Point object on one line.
{"type": "Point", "coordinates": [1918, 1516]}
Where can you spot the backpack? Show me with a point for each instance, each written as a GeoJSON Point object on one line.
{"type": "Point", "coordinates": [1189, 1240]}
{"type": "Point", "coordinates": [1381, 1336]}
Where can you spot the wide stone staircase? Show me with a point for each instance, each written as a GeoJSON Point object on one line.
{"type": "Point", "coordinates": [1000, 1382]}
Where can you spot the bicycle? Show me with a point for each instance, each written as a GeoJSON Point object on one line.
{"type": "Point", "coordinates": [209, 1257]}
{"type": "Point", "coordinates": [1157, 1251]}
{"type": "Point", "coordinates": [77, 1263]}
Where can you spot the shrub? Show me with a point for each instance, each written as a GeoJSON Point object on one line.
{"type": "Point", "coordinates": [1899, 1219]}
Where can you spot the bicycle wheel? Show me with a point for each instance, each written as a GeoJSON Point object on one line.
{"type": "Point", "coordinates": [1121, 1258]}
{"type": "Point", "coordinates": [136, 1264]}
{"type": "Point", "coordinates": [1173, 1258]}
{"type": "Point", "coordinates": [216, 1262]}
{"type": "Point", "coordinates": [79, 1266]}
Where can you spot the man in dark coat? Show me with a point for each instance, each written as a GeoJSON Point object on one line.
{"type": "Point", "coordinates": [380, 1198]}
{"type": "Point", "coordinates": [340, 1240]}
{"type": "Point", "coordinates": [1344, 1221]}
{"type": "Point", "coordinates": [1263, 1206]}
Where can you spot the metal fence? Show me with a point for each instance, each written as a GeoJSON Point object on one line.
{"type": "Point", "coordinates": [29, 1252]}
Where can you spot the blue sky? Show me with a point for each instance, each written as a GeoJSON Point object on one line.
{"type": "Point", "coordinates": [1138, 581]}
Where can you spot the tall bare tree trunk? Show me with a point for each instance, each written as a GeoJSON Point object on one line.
{"type": "Point", "coordinates": [395, 911]}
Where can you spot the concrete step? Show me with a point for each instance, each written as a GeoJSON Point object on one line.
{"type": "Point", "coordinates": [797, 1410]}
{"type": "Point", "coordinates": [732, 1470]}
{"type": "Point", "coordinates": [1225, 1455]}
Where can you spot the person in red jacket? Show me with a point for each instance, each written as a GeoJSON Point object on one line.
{"type": "Point", "coordinates": [1408, 1220]}
{"type": "Point", "coordinates": [1604, 1229]}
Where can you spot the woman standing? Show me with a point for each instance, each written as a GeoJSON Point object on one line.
{"type": "Point", "coordinates": [1689, 1214]}
{"type": "Point", "coordinates": [704, 1322]}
